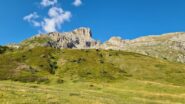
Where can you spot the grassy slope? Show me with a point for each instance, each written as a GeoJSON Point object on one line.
{"type": "Point", "coordinates": [122, 92]}
{"type": "Point", "coordinates": [89, 76]}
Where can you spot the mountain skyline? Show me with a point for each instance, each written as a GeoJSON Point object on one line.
{"type": "Point", "coordinates": [127, 19]}
{"type": "Point", "coordinates": [92, 52]}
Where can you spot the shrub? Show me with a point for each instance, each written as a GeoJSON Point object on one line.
{"type": "Point", "coordinates": [101, 61]}
{"type": "Point", "coordinates": [53, 67]}
{"type": "Point", "coordinates": [59, 80]}
{"type": "Point", "coordinates": [101, 55]}
{"type": "Point", "coordinates": [79, 60]}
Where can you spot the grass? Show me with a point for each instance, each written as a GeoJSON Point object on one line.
{"type": "Point", "coordinates": [35, 41]}
{"type": "Point", "coordinates": [68, 76]}
{"type": "Point", "coordinates": [119, 92]}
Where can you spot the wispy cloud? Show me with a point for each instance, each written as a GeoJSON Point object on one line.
{"type": "Point", "coordinates": [46, 3]}
{"type": "Point", "coordinates": [77, 3]}
{"type": "Point", "coordinates": [57, 16]}
{"type": "Point", "coordinates": [31, 18]}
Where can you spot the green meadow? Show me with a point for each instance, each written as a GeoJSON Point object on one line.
{"type": "Point", "coordinates": [44, 75]}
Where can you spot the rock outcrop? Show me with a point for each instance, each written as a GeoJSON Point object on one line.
{"type": "Point", "coordinates": [80, 39]}
{"type": "Point", "coordinates": [115, 43]}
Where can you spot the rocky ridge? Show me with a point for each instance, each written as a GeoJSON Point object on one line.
{"type": "Point", "coordinates": [80, 39]}
{"type": "Point", "coordinates": [169, 46]}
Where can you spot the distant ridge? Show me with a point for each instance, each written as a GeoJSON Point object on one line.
{"type": "Point", "coordinates": [170, 46]}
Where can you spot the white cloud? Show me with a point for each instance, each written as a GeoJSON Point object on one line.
{"type": "Point", "coordinates": [31, 16]}
{"type": "Point", "coordinates": [46, 3]}
{"type": "Point", "coordinates": [77, 3]}
{"type": "Point", "coordinates": [57, 16]}
{"type": "Point", "coordinates": [31, 19]}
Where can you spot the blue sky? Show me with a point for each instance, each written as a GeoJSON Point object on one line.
{"type": "Point", "coordinates": [126, 18]}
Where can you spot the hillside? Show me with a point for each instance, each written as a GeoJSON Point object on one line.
{"type": "Point", "coordinates": [44, 63]}
{"type": "Point", "coordinates": [89, 76]}
{"type": "Point", "coordinates": [74, 68]}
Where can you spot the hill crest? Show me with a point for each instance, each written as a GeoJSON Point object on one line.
{"type": "Point", "coordinates": [170, 46]}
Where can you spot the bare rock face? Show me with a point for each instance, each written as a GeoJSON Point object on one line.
{"type": "Point", "coordinates": [83, 32]}
{"type": "Point", "coordinates": [80, 38]}
{"type": "Point", "coordinates": [169, 46]}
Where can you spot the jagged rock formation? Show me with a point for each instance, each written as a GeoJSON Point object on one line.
{"type": "Point", "coordinates": [80, 38]}
{"type": "Point", "coordinates": [167, 46]}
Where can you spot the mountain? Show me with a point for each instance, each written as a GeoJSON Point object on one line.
{"type": "Point", "coordinates": [169, 46]}
{"type": "Point", "coordinates": [80, 39]}
{"type": "Point", "coordinates": [73, 68]}
{"type": "Point", "coordinates": [50, 53]}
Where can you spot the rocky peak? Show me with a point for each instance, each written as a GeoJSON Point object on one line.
{"type": "Point", "coordinates": [85, 32]}
{"type": "Point", "coordinates": [79, 38]}
{"type": "Point", "coordinates": [116, 41]}
{"type": "Point", "coordinates": [81, 33]}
